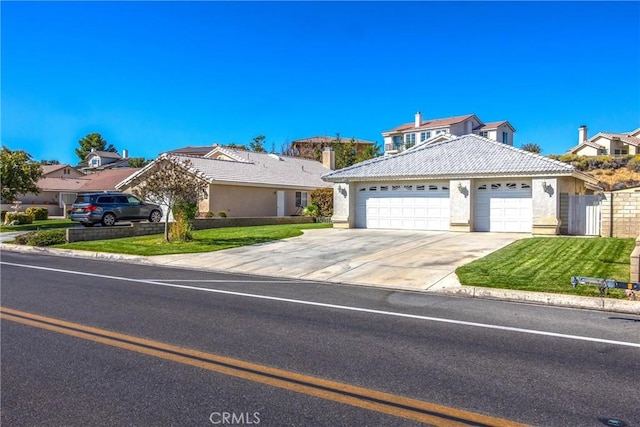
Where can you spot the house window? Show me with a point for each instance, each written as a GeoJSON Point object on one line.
{"type": "Point", "coordinates": [397, 142]}
{"type": "Point", "coordinates": [408, 187]}
{"type": "Point", "coordinates": [496, 186]}
{"type": "Point", "coordinates": [512, 185]}
{"type": "Point", "coordinates": [620, 152]}
{"type": "Point", "coordinates": [395, 188]}
{"type": "Point", "coordinates": [301, 199]}
{"type": "Point", "coordinates": [95, 161]}
{"type": "Point", "coordinates": [505, 138]}
{"type": "Point", "coordinates": [423, 136]}
{"type": "Point", "coordinates": [410, 140]}
{"type": "Point", "coordinates": [433, 187]}
{"type": "Point", "coordinates": [384, 188]}
{"type": "Point", "coordinates": [484, 133]}
{"type": "Point", "coordinates": [420, 187]}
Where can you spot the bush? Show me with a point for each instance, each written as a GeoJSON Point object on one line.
{"type": "Point", "coordinates": [311, 210]}
{"type": "Point", "coordinates": [209, 215]}
{"type": "Point", "coordinates": [323, 199]}
{"type": "Point", "coordinates": [634, 164]}
{"type": "Point", "coordinates": [39, 214]}
{"type": "Point", "coordinates": [21, 218]}
{"type": "Point", "coordinates": [2, 215]}
{"type": "Point", "coordinates": [222, 214]}
{"type": "Point", "coordinates": [180, 230]}
{"type": "Point", "coordinates": [42, 238]}
{"type": "Point", "coordinates": [187, 210]}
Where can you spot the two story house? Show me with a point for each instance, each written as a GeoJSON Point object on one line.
{"type": "Point", "coordinates": [97, 160]}
{"type": "Point", "coordinates": [422, 131]}
{"type": "Point", "coordinates": [606, 143]}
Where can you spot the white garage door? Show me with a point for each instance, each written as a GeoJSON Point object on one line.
{"type": "Point", "coordinates": [421, 206]}
{"type": "Point", "coordinates": [504, 206]}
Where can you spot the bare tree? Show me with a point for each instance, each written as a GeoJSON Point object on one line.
{"type": "Point", "coordinates": [169, 180]}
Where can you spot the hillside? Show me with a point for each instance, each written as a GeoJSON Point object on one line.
{"type": "Point", "coordinates": [616, 179]}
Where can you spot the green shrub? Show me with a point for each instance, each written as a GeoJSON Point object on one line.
{"type": "Point", "coordinates": [21, 218]}
{"type": "Point", "coordinates": [209, 215]}
{"type": "Point", "coordinates": [2, 215]}
{"type": "Point", "coordinates": [323, 199]}
{"type": "Point", "coordinates": [188, 210]}
{"type": "Point", "coordinates": [39, 214]}
{"type": "Point", "coordinates": [42, 238]}
{"type": "Point", "coordinates": [311, 210]}
{"type": "Point", "coordinates": [222, 214]}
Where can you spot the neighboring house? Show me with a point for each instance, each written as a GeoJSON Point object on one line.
{"type": "Point", "coordinates": [607, 143]}
{"type": "Point", "coordinates": [248, 184]}
{"type": "Point", "coordinates": [60, 184]}
{"type": "Point", "coordinates": [102, 160]}
{"type": "Point", "coordinates": [467, 183]}
{"type": "Point", "coordinates": [312, 147]}
{"type": "Point", "coordinates": [422, 131]}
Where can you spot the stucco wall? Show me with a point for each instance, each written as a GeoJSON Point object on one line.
{"type": "Point", "coordinates": [460, 198]}
{"type": "Point", "coordinates": [546, 205]}
{"type": "Point", "coordinates": [240, 201]}
{"type": "Point", "coordinates": [621, 214]}
{"type": "Point", "coordinates": [343, 205]}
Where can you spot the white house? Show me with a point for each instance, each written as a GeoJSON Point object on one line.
{"type": "Point", "coordinates": [422, 131]}
{"type": "Point", "coordinates": [466, 183]}
{"type": "Point", "coordinates": [607, 143]}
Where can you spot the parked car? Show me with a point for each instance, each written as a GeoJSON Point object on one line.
{"type": "Point", "coordinates": [109, 207]}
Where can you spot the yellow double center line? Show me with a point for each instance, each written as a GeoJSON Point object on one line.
{"type": "Point", "coordinates": [331, 390]}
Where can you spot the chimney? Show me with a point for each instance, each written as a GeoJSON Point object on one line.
{"type": "Point", "coordinates": [418, 119]}
{"type": "Point", "coordinates": [125, 154]}
{"type": "Point", "coordinates": [329, 158]}
{"type": "Point", "coordinates": [582, 134]}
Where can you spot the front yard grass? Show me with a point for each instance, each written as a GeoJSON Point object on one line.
{"type": "Point", "coordinates": [44, 224]}
{"type": "Point", "coordinates": [213, 239]}
{"type": "Point", "coordinates": [546, 264]}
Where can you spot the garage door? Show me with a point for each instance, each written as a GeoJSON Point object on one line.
{"type": "Point", "coordinates": [504, 206]}
{"type": "Point", "coordinates": [421, 206]}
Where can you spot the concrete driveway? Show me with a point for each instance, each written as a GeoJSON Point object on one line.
{"type": "Point", "coordinates": [414, 260]}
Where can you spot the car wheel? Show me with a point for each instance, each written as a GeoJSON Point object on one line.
{"type": "Point", "coordinates": [108, 219]}
{"type": "Point", "coordinates": [156, 216]}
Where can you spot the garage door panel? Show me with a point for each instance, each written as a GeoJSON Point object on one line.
{"type": "Point", "coordinates": [504, 207]}
{"type": "Point", "coordinates": [408, 207]}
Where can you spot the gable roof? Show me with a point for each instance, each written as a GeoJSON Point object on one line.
{"type": "Point", "coordinates": [494, 125]}
{"type": "Point", "coordinates": [105, 154]}
{"type": "Point", "coordinates": [107, 179]}
{"type": "Point", "coordinates": [626, 138]}
{"type": "Point", "coordinates": [247, 169]}
{"type": "Point", "coordinates": [197, 150]}
{"type": "Point", "coordinates": [433, 123]}
{"type": "Point", "coordinates": [47, 169]}
{"type": "Point", "coordinates": [464, 156]}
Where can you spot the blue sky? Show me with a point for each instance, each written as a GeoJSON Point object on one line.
{"type": "Point", "coordinates": [154, 76]}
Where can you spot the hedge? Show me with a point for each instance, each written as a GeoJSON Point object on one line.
{"type": "Point", "coordinates": [39, 214]}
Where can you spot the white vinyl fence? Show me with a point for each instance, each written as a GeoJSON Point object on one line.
{"type": "Point", "coordinates": [584, 215]}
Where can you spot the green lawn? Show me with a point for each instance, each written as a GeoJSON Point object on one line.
{"type": "Point", "coordinates": [546, 264]}
{"type": "Point", "coordinates": [209, 240]}
{"type": "Point", "coordinates": [39, 225]}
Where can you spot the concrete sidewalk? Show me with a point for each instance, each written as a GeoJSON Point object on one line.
{"type": "Point", "coordinates": [408, 260]}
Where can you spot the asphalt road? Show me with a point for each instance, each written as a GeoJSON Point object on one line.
{"type": "Point", "coordinates": [336, 349]}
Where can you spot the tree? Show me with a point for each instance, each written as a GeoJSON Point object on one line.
{"type": "Point", "coordinates": [170, 182]}
{"type": "Point", "coordinates": [20, 174]}
{"type": "Point", "coordinates": [138, 162]}
{"type": "Point", "coordinates": [369, 152]}
{"type": "Point", "coordinates": [49, 162]}
{"type": "Point", "coordinates": [93, 140]}
{"type": "Point", "coordinates": [531, 147]}
{"type": "Point", "coordinates": [257, 145]}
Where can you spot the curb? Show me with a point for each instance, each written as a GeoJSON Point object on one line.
{"type": "Point", "coordinates": [526, 297]}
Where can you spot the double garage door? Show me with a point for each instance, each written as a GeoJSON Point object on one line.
{"type": "Point", "coordinates": [417, 206]}
{"type": "Point", "coordinates": [499, 206]}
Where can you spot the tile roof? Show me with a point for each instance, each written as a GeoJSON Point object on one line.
{"type": "Point", "coordinates": [252, 169]}
{"type": "Point", "coordinates": [493, 125]}
{"type": "Point", "coordinates": [432, 123]}
{"type": "Point", "coordinates": [107, 179]}
{"type": "Point", "coordinates": [198, 149]}
{"type": "Point", "coordinates": [61, 184]}
{"type": "Point", "coordinates": [329, 140]}
{"type": "Point", "coordinates": [105, 154]}
{"type": "Point", "coordinates": [626, 138]}
{"type": "Point", "coordinates": [47, 169]}
{"type": "Point", "coordinates": [464, 156]}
